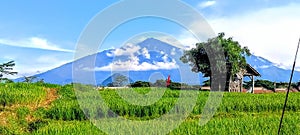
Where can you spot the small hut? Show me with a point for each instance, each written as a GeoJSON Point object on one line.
{"type": "Point", "coordinates": [236, 81]}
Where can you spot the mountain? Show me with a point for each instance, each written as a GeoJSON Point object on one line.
{"type": "Point", "coordinates": [271, 71]}
{"type": "Point", "coordinates": [148, 60]}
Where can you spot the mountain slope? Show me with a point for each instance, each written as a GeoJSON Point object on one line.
{"type": "Point", "coordinates": [151, 59]}
{"type": "Point", "coordinates": [271, 71]}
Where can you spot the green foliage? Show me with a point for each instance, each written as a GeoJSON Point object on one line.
{"type": "Point", "coordinates": [160, 83]}
{"type": "Point", "coordinates": [271, 85]}
{"type": "Point", "coordinates": [239, 113]}
{"type": "Point", "coordinates": [22, 112]}
{"type": "Point", "coordinates": [7, 69]}
{"type": "Point", "coordinates": [20, 93]}
{"type": "Point", "coordinates": [5, 131]}
{"type": "Point", "coordinates": [66, 107]}
{"type": "Point", "coordinates": [263, 83]}
{"type": "Point", "coordinates": [37, 124]}
{"type": "Point", "coordinates": [140, 84]}
{"type": "Point", "coordinates": [29, 79]}
{"type": "Point", "coordinates": [199, 59]}
{"type": "Point", "coordinates": [118, 81]}
{"type": "Point", "coordinates": [208, 57]}
{"type": "Point", "coordinates": [175, 86]}
{"type": "Point", "coordinates": [68, 128]}
{"type": "Point", "coordinates": [206, 83]}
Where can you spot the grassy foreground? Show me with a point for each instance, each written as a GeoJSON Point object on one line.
{"type": "Point", "coordinates": [52, 109]}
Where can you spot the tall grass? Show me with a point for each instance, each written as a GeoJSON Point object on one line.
{"type": "Point", "coordinates": [21, 93]}
{"type": "Point", "coordinates": [239, 113]}
{"type": "Point", "coordinates": [67, 108]}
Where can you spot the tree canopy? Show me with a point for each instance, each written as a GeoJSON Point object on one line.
{"type": "Point", "coordinates": [218, 54]}
{"type": "Point", "coordinates": [118, 80]}
{"type": "Point", "coordinates": [7, 69]}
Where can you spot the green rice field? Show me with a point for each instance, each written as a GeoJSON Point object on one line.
{"type": "Point", "coordinates": [46, 109]}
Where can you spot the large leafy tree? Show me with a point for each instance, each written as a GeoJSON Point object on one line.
{"type": "Point", "coordinates": [7, 69]}
{"type": "Point", "coordinates": [219, 54]}
{"type": "Point", "coordinates": [118, 81]}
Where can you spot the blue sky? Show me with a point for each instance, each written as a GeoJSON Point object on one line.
{"type": "Point", "coordinates": [41, 35]}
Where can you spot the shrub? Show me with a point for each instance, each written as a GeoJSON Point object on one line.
{"type": "Point", "coordinates": [140, 84]}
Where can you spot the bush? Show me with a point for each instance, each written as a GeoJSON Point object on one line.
{"type": "Point", "coordinates": [140, 84]}
{"type": "Point", "coordinates": [35, 125]}
{"type": "Point", "coordinates": [175, 86]}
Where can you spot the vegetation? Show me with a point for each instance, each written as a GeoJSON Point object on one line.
{"type": "Point", "coordinates": [29, 110]}
{"type": "Point", "coordinates": [20, 93]}
{"type": "Point", "coordinates": [118, 80]}
{"type": "Point", "coordinates": [218, 56]}
{"type": "Point", "coordinates": [162, 83]}
{"type": "Point", "coordinates": [140, 84]}
{"type": "Point", "coordinates": [270, 85]}
{"type": "Point", "coordinates": [7, 69]}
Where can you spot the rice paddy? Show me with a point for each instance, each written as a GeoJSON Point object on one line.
{"type": "Point", "coordinates": [23, 111]}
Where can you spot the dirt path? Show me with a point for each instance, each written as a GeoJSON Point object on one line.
{"type": "Point", "coordinates": [10, 111]}
{"type": "Point", "coordinates": [51, 96]}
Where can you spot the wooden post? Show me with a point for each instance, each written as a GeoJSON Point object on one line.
{"type": "Point", "coordinates": [275, 86]}
{"type": "Point", "coordinates": [229, 84]}
{"type": "Point", "coordinates": [241, 84]}
{"type": "Point", "coordinates": [252, 78]}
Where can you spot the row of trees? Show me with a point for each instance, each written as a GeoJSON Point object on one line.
{"type": "Point", "coordinates": [271, 85]}
{"type": "Point", "coordinates": [162, 83]}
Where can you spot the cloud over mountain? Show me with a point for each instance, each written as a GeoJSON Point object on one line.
{"type": "Point", "coordinates": [151, 56]}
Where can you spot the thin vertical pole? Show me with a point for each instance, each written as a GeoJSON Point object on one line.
{"type": "Point", "coordinates": [288, 91]}
{"type": "Point", "coordinates": [252, 78]}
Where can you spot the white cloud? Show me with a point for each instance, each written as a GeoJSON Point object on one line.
{"type": "Point", "coordinates": [272, 33]}
{"type": "Point", "coordinates": [173, 51]}
{"type": "Point", "coordinates": [110, 54]}
{"type": "Point", "coordinates": [165, 58]}
{"type": "Point", "coordinates": [264, 66]}
{"type": "Point", "coordinates": [145, 52]}
{"type": "Point", "coordinates": [128, 49]}
{"type": "Point", "coordinates": [134, 65]}
{"type": "Point", "coordinates": [188, 40]}
{"type": "Point", "coordinates": [34, 42]}
{"type": "Point", "coordinates": [206, 4]}
{"type": "Point", "coordinates": [41, 64]}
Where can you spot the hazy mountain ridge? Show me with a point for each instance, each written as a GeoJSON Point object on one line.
{"type": "Point", "coordinates": [142, 60]}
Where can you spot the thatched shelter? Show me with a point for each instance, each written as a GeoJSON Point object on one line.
{"type": "Point", "coordinates": [236, 81]}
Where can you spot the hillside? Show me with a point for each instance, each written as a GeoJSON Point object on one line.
{"type": "Point", "coordinates": [151, 56]}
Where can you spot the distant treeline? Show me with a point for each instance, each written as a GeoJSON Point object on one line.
{"type": "Point", "coordinates": [162, 83]}
{"type": "Point", "coordinates": [271, 85]}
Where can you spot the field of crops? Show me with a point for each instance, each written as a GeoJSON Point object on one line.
{"type": "Point", "coordinates": [23, 111]}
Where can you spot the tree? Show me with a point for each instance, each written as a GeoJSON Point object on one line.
{"type": "Point", "coordinates": [218, 56]}
{"type": "Point", "coordinates": [160, 83]}
{"type": "Point", "coordinates": [29, 79]}
{"type": "Point", "coordinates": [7, 69]}
{"type": "Point", "coordinates": [119, 80]}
